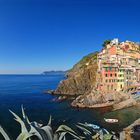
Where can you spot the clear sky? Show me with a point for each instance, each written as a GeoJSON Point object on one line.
{"type": "Point", "coordinates": [39, 35]}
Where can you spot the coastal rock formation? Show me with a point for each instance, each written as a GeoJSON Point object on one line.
{"type": "Point", "coordinates": [94, 99]}
{"type": "Point", "coordinates": [102, 79]}
{"type": "Point", "coordinates": [81, 78]}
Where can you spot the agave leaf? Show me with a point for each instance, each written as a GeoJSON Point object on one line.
{"type": "Point", "coordinates": [36, 124]}
{"type": "Point", "coordinates": [25, 119]}
{"type": "Point", "coordinates": [64, 138]}
{"type": "Point", "coordinates": [101, 134]}
{"type": "Point", "coordinates": [93, 126]}
{"type": "Point", "coordinates": [19, 120]}
{"type": "Point", "coordinates": [23, 113]}
{"type": "Point", "coordinates": [24, 136]}
{"type": "Point", "coordinates": [35, 132]}
{"type": "Point", "coordinates": [4, 134]}
{"type": "Point", "coordinates": [50, 121]}
{"type": "Point", "coordinates": [106, 131]}
{"type": "Point", "coordinates": [56, 136]}
{"type": "Point", "coordinates": [84, 129]}
{"type": "Point", "coordinates": [48, 131]}
{"type": "Point", "coordinates": [44, 133]}
{"type": "Point", "coordinates": [94, 137]}
{"type": "Point", "coordinates": [107, 137]}
{"type": "Point", "coordinates": [83, 124]}
{"type": "Point", "coordinates": [62, 135]}
{"type": "Point", "coordinates": [75, 136]}
{"type": "Point", "coordinates": [64, 128]}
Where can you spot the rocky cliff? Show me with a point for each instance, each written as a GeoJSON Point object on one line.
{"type": "Point", "coordinates": [81, 81]}
{"type": "Point", "coordinates": [81, 78]}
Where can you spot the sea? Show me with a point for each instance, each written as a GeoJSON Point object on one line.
{"type": "Point", "coordinates": [30, 91]}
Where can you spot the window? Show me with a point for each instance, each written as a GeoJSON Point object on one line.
{"type": "Point", "coordinates": [115, 75]}
{"type": "Point", "coordinates": [107, 87]}
{"type": "Point", "coordinates": [106, 80]}
{"type": "Point", "coordinates": [112, 87]}
{"type": "Point", "coordinates": [105, 75]}
{"type": "Point", "coordinates": [110, 75]}
{"type": "Point", "coordinates": [120, 75]}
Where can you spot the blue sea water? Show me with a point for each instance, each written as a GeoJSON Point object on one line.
{"type": "Point", "coordinates": [28, 90]}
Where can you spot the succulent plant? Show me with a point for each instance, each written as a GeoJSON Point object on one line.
{"type": "Point", "coordinates": [34, 130]}
{"type": "Point", "coordinates": [41, 132]}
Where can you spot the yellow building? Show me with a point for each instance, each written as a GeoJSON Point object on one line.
{"type": "Point", "coordinates": [120, 79]}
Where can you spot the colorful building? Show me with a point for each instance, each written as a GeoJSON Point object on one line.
{"type": "Point", "coordinates": [118, 66]}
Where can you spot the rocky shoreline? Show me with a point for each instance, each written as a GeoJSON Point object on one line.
{"type": "Point", "coordinates": [81, 83]}
{"type": "Point", "coordinates": [111, 101]}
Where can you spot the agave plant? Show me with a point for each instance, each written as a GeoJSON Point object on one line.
{"type": "Point", "coordinates": [94, 132]}
{"type": "Point", "coordinates": [37, 131]}
{"type": "Point", "coordinates": [30, 130]}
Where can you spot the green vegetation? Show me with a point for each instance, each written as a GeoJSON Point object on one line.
{"type": "Point", "coordinates": [82, 63]}
{"type": "Point", "coordinates": [106, 42]}
{"type": "Point", "coordinates": [87, 59]}
{"type": "Point", "coordinates": [37, 131]}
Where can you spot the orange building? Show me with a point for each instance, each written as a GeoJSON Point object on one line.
{"type": "Point", "coordinates": [112, 50]}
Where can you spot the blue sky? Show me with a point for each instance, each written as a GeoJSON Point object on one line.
{"type": "Point", "coordinates": [39, 35]}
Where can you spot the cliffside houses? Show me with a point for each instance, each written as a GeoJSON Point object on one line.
{"type": "Point", "coordinates": [118, 66]}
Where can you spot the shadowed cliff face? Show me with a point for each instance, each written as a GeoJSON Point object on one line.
{"type": "Point", "coordinates": [81, 78]}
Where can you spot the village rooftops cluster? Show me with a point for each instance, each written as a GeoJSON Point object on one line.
{"type": "Point", "coordinates": [118, 66]}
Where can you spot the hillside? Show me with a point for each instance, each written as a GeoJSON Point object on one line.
{"type": "Point", "coordinates": [81, 78]}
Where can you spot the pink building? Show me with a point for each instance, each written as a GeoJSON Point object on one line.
{"type": "Point", "coordinates": [109, 75]}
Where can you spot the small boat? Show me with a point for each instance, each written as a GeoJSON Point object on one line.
{"type": "Point", "coordinates": [111, 120]}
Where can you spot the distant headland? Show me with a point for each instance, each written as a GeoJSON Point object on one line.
{"type": "Point", "coordinates": [53, 72]}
